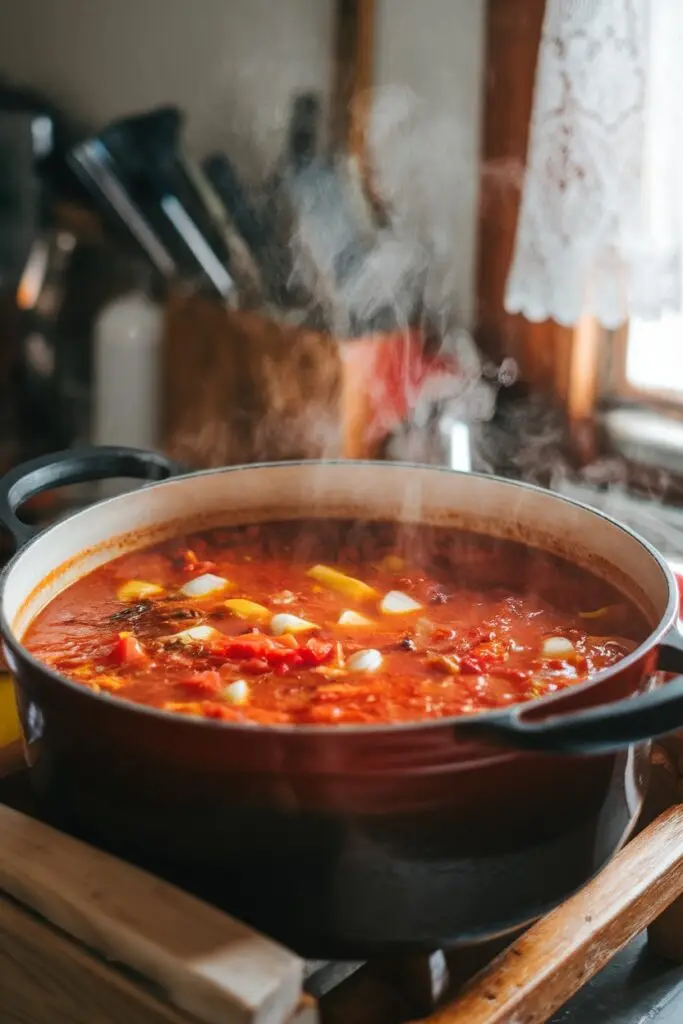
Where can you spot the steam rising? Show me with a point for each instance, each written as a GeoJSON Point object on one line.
{"type": "Point", "coordinates": [355, 275]}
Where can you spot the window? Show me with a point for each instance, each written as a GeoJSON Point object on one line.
{"type": "Point", "coordinates": [653, 357]}
{"type": "Point", "coordinates": [644, 392]}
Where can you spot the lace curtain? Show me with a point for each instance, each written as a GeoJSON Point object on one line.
{"type": "Point", "coordinates": [600, 229]}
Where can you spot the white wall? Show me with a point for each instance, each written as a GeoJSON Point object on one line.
{"type": "Point", "coordinates": [234, 66]}
{"type": "Point", "coordinates": [429, 64]}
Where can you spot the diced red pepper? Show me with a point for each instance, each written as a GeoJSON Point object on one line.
{"type": "Point", "coordinates": [441, 633]}
{"type": "Point", "coordinates": [201, 567]}
{"type": "Point", "coordinates": [127, 650]}
{"type": "Point", "coordinates": [248, 645]}
{"type": "Point", "coordinates": [512, 675]}
{"type": "Point", "coordinates": [194, 565]}
{"type": "Point", "coordinates": [222, 712]}
{"type": "Point", "coordinates": [471, 665]}
{"type": "Point", "coordinates": [490, 653]}
{"type": "Point", "coordinates": [254, 666]}
{"type": "Point", "coordinates": [344, 691]}
{"type": "Point", "coordinates": [325, 713]}
{"type": "Point", "coordinates": [479, 635]}
{"type": "Point", "coordinates": [272, 653]}
{"type": "Point", "coordinates": [313, 652]}
{"type": "Point", "coordinates": [202, 683]}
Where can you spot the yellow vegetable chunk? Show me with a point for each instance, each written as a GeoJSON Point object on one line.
{"type": "Point", "coordinates": [249, 610]}
{"type": "Point", "coordinates": [599, 613]}
{"type": "Point", "coordinates": [342, 584]}
{"type": "Point", "coordinates": [138, 590]}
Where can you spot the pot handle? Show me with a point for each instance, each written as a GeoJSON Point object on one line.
{"type": "Point", "coordinates": [74, 466]}
{"type": "Point", "coordinates": [605, 729]}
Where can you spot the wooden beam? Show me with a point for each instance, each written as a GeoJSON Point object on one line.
{"type": "Point", "coordinates": [561, 361]}
{"type": "Point", "coordinates": [513, 33]}
{"type": "Point", "coordinates": [353, 77]}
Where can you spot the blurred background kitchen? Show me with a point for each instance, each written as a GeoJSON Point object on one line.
{"type": "Point", "coordinates": [446, 232]}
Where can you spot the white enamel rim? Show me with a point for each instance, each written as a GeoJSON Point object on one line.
{"type": "Point", "coordinates": [664, 627]}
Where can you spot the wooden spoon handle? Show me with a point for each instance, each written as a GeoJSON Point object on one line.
{"type": "Point", "coordinates": [539, 972]}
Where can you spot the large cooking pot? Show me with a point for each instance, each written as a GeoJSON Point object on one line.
{"type": "Point", "coordinates": [349, 840]}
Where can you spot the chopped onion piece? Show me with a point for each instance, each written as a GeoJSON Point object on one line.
{"type": "Point", "coordinates": [351, 618]}
{"type": "Point", "coordinates": [365, 661]}
{"type": "Point", "coordinates": [196, 635]}
{"type": "Point", "coordinates": [245, 609]}
{"type": "Point", "coordinates": [237, 692]}
{"type": "Point", "coordinates": [558, 647]}
{"type": "Point", "coordinates": [138, 590]}
{"type": "Point", "coordinates": [204, 585]}
{"type": "Point", "coordinates": [347, 585]}
{"type": "Point", "coordinates": [398, 603]}
{"type": "Point", "coordinates": [283, 622]}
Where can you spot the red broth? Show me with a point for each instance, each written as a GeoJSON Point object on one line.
{"type": "Point", "coordinates": [422, 623]}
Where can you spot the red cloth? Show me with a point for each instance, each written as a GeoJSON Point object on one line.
{"type": "Point", "coordinates": [396, 374]}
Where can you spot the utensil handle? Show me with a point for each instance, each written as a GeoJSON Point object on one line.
{"type": "Point", "coordinates": [74, 466]}
{"type": "Point", "coordinates": [601, 730]}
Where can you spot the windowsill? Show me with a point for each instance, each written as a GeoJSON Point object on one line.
{"type": "Point", "coordinates": [635, 476]}
{"type": "Point", "coordinates": [646, 437]}
{"type": "Point", "coordinates": [660, 524]}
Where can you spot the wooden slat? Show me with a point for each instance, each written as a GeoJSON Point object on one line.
{"type": "Point", "coordinates": [206, 963]}
{"type": "Point", "coordinates": [513, 33]}
{"type": "Point", "coordinates": [47, 979]}
{"type": "Point", "coordinates": [542, 970]}
{"type": "Point", "coordinates": [666, 788]}
{"type": "Point", "coordinates": [353, 77]}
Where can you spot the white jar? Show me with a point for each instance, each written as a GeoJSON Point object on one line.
{"type": "Point", "coordinates": [126, 366]}
{"type": "Point", "coordinates": [127, 343]}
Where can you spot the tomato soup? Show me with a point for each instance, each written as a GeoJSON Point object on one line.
{"type": "Point", "coordinates": [326, 622]}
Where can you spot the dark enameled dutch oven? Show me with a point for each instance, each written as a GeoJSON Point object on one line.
{"type": "Point", "coordinates": [349, 840]}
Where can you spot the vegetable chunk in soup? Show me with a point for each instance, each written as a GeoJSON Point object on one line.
{"type": "Point", "coordinates": [330, 622]}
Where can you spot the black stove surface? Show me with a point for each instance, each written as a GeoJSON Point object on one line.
{"type": "Point", "coordinates": [636, 987]}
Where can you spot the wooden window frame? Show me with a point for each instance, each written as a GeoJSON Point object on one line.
{"type": "Point", "coordinates": [565, 363]}
{"type": "Point", "coordinates": [353, 77]}
{"type": "Point", "coordinates": [580, 368]}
